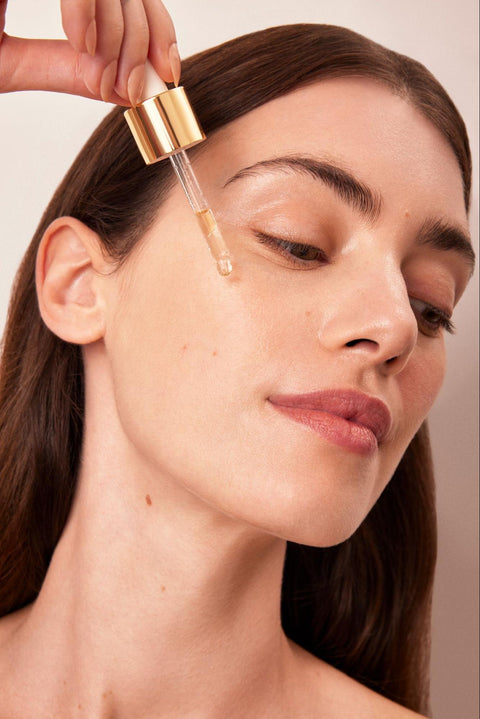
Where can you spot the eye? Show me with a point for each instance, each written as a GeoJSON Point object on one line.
{"type": "Point", "coordinates": [431, 320]}
{"type": "Point", "coordinates": [296, 253]}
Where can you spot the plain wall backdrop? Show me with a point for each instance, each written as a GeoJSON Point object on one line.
{"type": "Point", "coordinates": [42, 132]}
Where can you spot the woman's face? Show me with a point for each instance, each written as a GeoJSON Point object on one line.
{"type": "Point", "coordinates": [338, 203]}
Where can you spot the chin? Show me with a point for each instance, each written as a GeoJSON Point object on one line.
{"type": "Point", "coordinates": [325, 527]}
{"type": "Point", "coordinates": [327, 513]}
{"type": "Point", "coordinates": [328, 535]}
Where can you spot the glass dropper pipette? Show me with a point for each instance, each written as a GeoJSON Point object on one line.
{"type": "Point", "coordinates": [204, 214]}
{"type": "Point", "coordinates": [164, 125]}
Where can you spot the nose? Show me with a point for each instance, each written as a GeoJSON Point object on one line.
{"type": "Point", "coordinates": [371, 319]}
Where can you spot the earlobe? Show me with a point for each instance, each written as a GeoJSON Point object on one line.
{"type": "Point", "coordinates": [68, 281]}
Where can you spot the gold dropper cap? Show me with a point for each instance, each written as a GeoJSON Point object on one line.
{"type": "Point", "coordinates": [164, 124]}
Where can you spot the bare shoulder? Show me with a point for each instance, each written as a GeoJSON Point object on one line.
{"type": "Point", "coordinates": [365, 701]}
{"type": "Point", "coordinates": [331, 694]}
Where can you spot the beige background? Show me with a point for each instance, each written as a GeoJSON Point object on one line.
{"type": "Point", "coordinates": [41, 133]}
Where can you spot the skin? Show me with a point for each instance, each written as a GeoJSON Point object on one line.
{"type": "Point", "coordinates": [163, 596]}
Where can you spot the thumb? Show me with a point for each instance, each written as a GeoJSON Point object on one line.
{"type": "Point", "coordinates": [51, 65]}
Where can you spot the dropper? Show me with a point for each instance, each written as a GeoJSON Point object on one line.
{"type": "Point", "coordinates": [164, 125]}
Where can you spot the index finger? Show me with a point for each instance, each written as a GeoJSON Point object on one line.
{"type": "Point", "coordinates": [78, 20]}
{"type": "Point", "coordinates": [163, 52]}
{"type": "Point", "coordinates": [3, 10]}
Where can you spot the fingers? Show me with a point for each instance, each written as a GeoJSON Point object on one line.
{"type": "Point", "coordinates": [78, 20]}
{"type": "Point", "coordinates": [100, 71]}
{"type": "Point", "coordinates": [108, 44]}
{"type": "Point", "coordinates": [124, 33]}
{"type": "Point", "coordinates": [134, 51]}
{"type": "Point", "coordinates": [163, 42]}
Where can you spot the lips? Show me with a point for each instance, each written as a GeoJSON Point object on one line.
{"type": "Point", "coordinates": [345, 417]}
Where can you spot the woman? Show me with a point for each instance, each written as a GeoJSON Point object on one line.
{"type": "Point", "coordinates": [165, 431]}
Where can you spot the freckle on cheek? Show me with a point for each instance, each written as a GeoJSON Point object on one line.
{"type": "Point", "coordinates": [148, 499]}
{"type": "Point", "coordinates": [308, 313]}
{"type": "Point", "coordinates": [184, 347]}
{"type": "Point", "coordinates": [214, 353]}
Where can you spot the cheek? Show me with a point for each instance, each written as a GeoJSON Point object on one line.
{"type": "Point", "coordinates": [418, 386]}
{"type": "Point", "coordinates": [421, 381]}
{"type": "Point", "coordinates": [163, 348]}
{"type": "Point", "coordinates": [183, 354]}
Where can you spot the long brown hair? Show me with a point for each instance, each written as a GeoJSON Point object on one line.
{"type": "Point", "coordinates": [364, 605]}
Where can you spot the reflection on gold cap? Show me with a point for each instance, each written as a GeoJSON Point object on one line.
{"type": "Point", "coordinates": [164, 124]}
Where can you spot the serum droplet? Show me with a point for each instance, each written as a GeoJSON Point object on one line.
{"type": "Point", "coordinates": [224, 266]}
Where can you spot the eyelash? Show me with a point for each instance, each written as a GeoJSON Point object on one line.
{"type": "Point", "coordinates": [431, 327]}
{"type": "Point", "coordinates": [285, 248]}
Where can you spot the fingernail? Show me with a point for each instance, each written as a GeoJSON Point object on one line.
{"type": "Point", "coordinates": [175, 63]}
{"type": "Point", "coordinates": [89, 87]}
{"type": "Point", "coordinates": [108, 81]}
{"type": "Point", "coordinates": [91, 38]}
{"type": "Point", "coordinates": [135, 84]}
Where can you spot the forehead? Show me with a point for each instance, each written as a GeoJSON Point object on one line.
{"type": "Point", "coordinates": [356, 122]}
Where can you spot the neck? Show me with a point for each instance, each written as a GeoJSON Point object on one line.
{"type": "Point", "coordinates": [156, 604]}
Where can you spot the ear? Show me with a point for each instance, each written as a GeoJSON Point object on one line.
{"type": "Point", "coordinates": [68, 277]}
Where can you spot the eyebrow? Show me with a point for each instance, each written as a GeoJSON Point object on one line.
{"type": "Point", "coordinates": [441, 235]}
{"type": "Point", "coordinates": [348, 188]}
{"type": "Point", "coordinates": [438, 234]}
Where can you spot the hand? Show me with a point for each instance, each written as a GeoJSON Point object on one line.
{"type": "Point", "coordinates": [104, 56]}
